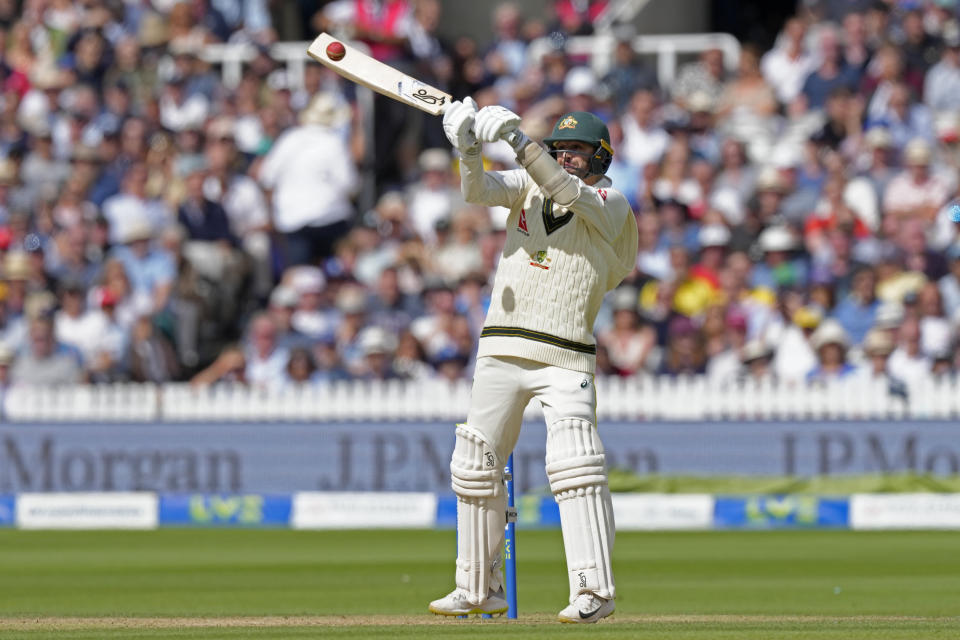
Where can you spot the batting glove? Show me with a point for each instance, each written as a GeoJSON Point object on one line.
{"type": "Point", "coordinates": [458, 124]}
{"type": "Point", "coordinates": [494, 123]}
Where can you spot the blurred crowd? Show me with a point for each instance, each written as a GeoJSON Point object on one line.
{"type": "Point", "coordinates": [158, 223]}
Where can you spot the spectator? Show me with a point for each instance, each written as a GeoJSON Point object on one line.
{"type": "Point", "coordinates": [830, 343]}
{"type": "Point", "coordinates": [787, 65]}
{"type": "Point", "coordinates": [628, 74]}
{"type": "Point", "coordinates": [309, 172]}
{"type": "Point", "coordinates": [916, 191]}
{"type": "Point", "coordinates": [43, 360]}
{"type": "Point", "coordinates": [149, 268]}
{"type": "Point", "coordinates": [150, 354]}
{"type": "Point", "coordinates": [300, 368]}
{"type": "Point", "coordinates": [941, 87]}
{"type": "Point", "coordinates": [684, 354]}
{"type": "Point", "coordinates": [908, 362]}
{"type": "Point", "coordinates": [644, 140]}
{"type": "Point", "coordinates": [858, 311]}
{"type": "Point", "coordinates": [832, 74]}
{"type": "Point", "coordinates": [265, 360]}
{"type": "Point", "coordinates": [434, 197]}
{"type": "Point", "coordinates": [877, 347]}
{"type": "Point", "coordinates": [377, 348]}
{"type": "Point", "coordinates": [706, 77]}
{"type": "Point", "coordinates": [757, 356]}
{"type": "Point", "coordinates": [630, 345]}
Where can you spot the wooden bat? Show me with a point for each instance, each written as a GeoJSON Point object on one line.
{"type": "Point", "coordinates": [358, 67]}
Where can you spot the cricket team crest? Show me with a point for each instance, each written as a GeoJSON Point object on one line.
{"type": "Point", "coordinates": [540, 260]}
{"type": "Point", "coordinates": [568, 123]}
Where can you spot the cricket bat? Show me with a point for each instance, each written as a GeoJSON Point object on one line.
{"type": "Point", "coordinates": [354, 65]}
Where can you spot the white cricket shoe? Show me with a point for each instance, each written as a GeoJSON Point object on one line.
{"type": "Point", "coordinates": [456, 604]}
{"type": "Point", "coordinates": [586, 608]}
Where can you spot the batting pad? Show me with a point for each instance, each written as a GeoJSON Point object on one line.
{"type": "Point", "coordinates": [576, 468]}
{"type": "Point", "coordinates": [477, 479]}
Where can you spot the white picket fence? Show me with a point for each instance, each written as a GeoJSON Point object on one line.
{"type": "Point", "coordinates": [637, 398]}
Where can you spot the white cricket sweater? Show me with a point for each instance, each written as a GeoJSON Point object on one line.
{"type": "Point", "coordinates": [556, 266]}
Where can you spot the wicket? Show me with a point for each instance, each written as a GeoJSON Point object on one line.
{"type": "Point", "coordinates": [510, 543]}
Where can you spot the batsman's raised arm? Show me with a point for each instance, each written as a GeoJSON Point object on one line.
{"type": "Point", "coordinates": [500, 188]}
{"type": "Point", "coordinates": [571, 172]}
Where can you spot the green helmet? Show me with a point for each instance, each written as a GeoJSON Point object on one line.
{"type": "Point", "coordinates": [583, 126]}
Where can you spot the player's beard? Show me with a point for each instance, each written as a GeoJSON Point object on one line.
{"type": "Point", "coordinates": [575, 171]}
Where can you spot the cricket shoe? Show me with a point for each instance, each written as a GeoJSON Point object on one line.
{"type": "Point", "coordinates": [586, 608]}
{"type": "Point", "coordinates": [456, 604]}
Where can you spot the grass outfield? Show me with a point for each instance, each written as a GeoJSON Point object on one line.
{"type": "Point", "coordinates": [205, 583]}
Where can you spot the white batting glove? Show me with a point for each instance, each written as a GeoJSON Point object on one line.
{"type": "Point", "coordinates": [458, 124]}
{"type": "Point", "coordinates": [495, 123]}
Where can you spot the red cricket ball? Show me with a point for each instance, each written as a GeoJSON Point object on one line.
{"type": "Point", "coordinates": [336, 51]}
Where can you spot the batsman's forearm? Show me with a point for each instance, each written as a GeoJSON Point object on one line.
{"type": "Point", "coordinates": [559, 185]}
{"type": "Point", "coordinates": [472, 178]}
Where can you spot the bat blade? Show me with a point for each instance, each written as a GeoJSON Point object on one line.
{"type": "Point", "coordinates": [358, 67]}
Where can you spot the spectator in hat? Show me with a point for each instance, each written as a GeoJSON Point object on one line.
{"type": "Point", "coordinates": [351, 303]}
{"type": "Point", "coordinates": [582, 90]}
{"type": "Point", "coordinates": [459, 254]}
{"type": "Point", "coordinates": [830, 343]}
{"type": "Point", "coordinates": [313, 316]}
{"type": "Point", "coordinates": [877, 347]}
{"type": "Point", "coordinates": [858, 311]}
{"type": "Point", "coordinates": [281, 306]}
{"type": "Point", "coordinates": [311, 177]}
{"type": "Point", "coordinates": [714, 239]}
{"type": "Point", "coordinates": [150, 268]}
{"type": "Point", "coordinates": [780, 267]}
{"type": "Point", "coordinates": [756, 356]}
{"type": "Point", "coordinates": [377, 348]}
{"type": "Point", "coordinates": [44, 361]}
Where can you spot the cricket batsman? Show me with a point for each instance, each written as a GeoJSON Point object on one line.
{"type": "Point", "coordinates": [570, 239]}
